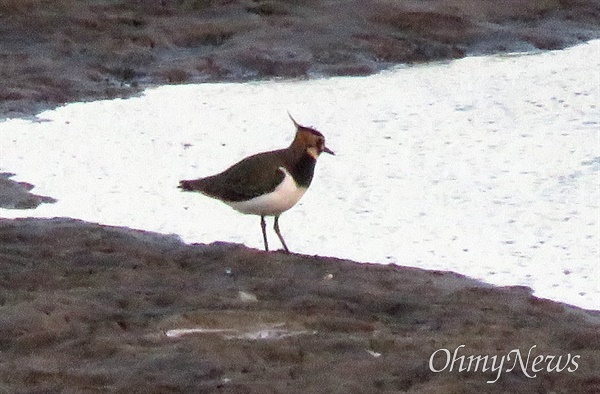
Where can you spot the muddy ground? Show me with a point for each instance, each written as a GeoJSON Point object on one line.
{"type": "Point", "coordinates": [58, 51]}
{"type": "Point", "coordinates": [18, 195]}
{"type": "Point", "coordinates": [86, 308]}
{"type": "Point", "coordinates": [90, 308]}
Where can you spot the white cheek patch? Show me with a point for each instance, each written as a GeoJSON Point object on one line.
{"type": "Point", "coordinates": [313, 152]}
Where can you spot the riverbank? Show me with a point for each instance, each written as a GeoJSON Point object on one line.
{"type": "Point", "coordinates": [66, 51]}
{"type": "Point", "coordinates": [89, 308]}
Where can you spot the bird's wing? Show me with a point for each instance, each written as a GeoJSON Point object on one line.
{"type": "Point", "coordinates": [251, 177]}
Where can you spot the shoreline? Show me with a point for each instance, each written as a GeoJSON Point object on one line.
{"type": "Point", "coordinates": [476, 104]}
{"type": "Point", "coordinates": [94, 307]}
{"type": "Point", "coordinates": [84, 51]}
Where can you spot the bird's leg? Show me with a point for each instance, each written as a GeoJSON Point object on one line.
{"type": "Point", "coordinates": [276, 228]}
{"type": "Point", "coordinates": [263, 225]}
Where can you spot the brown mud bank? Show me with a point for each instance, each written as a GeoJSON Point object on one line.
{"type": "Point", "coordinates": [17, 195]}
{"type": "Point", "coordinates": [91, 308]}
{"type": "Point", "coordinates": [53, 52]}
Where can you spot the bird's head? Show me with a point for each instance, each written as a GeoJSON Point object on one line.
{"type": "Point", "coordinates": [312, 140]}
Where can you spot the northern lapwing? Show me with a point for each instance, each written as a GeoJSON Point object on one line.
{"type": "Point", "coordinates": [268, 183]}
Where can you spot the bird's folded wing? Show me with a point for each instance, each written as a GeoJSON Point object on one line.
{"type": "Point", "coordinates": [252, 177]}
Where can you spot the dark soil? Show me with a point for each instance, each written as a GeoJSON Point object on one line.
{"type": "Point", "coordinates": [85, 308]}
{"type": "Point", "coordinates": [58, 51]}
{"type": "Point", "coordinates": [17, 195]}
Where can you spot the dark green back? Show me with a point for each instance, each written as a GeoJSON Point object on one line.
{"type": "Point", "coordinates": [249, 178]}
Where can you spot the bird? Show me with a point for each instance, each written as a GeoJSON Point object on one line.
{"type": "Point", "coordinates": [267, 183]}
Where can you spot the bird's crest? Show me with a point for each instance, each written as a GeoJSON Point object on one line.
{"type": "Point", "coordinates": [303, 128]}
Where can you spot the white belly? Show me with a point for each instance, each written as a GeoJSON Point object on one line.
{"type": "Point", "coordinates": [285, 196]}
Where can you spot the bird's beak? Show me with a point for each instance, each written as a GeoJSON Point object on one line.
{"type": "Point", "coordinates": [327, 150]}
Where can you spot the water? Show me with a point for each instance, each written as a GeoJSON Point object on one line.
{"type": "Point", "coordinates": [487, 166]}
